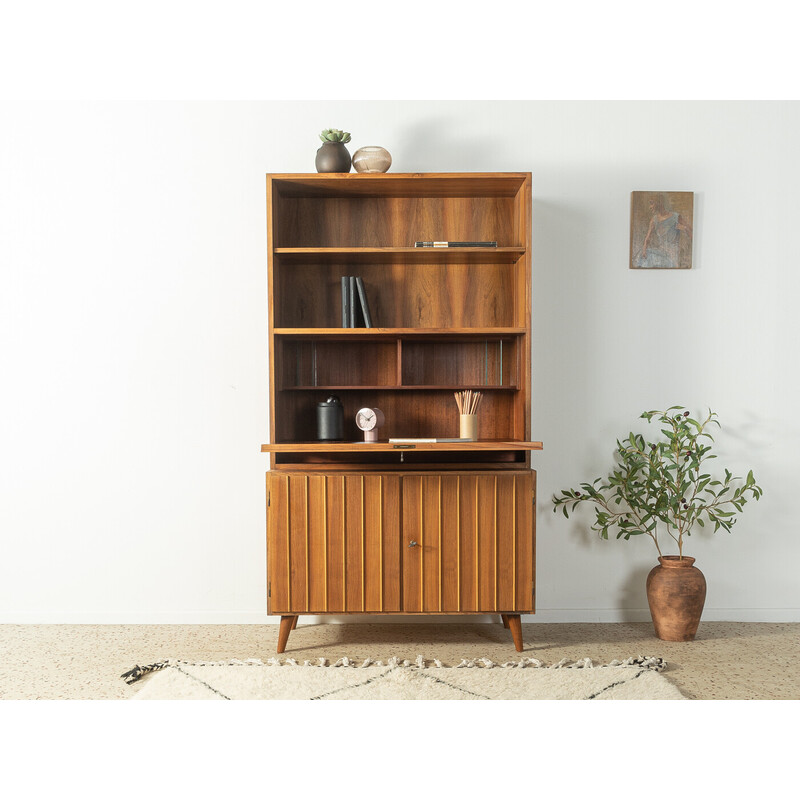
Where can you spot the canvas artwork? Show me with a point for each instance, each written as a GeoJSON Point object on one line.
{"type": "Point", "coordinates": [661, 230]}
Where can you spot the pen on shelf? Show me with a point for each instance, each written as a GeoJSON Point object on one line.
{"type": "Point", "coordinates": [455, 244]}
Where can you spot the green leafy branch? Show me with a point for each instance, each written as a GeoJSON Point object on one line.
{"type": "Point", "coordinates": [658, 488]}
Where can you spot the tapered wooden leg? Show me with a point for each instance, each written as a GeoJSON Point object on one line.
{"type": "Point", "coordinates": [516, 630]}
{"type": "Point", "coordinates": [294, 624]}
{"type": "Point", "coordinates": [504, 617]}
{"type": "Point", "coordinates": [287, 623]}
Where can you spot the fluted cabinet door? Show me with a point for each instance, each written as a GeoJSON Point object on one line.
{"type": "Point", "coordinates": [468, 542]}
{"type": "Point", "coordinates": [333, 543]}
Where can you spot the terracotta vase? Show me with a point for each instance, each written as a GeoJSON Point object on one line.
{"type": "Point", "coordinates": [676, 592]}
{"type": "Point", "coordinates": [333, 157]}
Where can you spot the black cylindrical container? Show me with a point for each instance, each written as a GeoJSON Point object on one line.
{"type": "Point", "coordinates": [330, 419]}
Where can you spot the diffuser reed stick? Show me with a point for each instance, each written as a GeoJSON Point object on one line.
{"type": "Point", "coordinates": [468, 401]}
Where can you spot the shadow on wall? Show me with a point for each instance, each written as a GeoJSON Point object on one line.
{"type": "Point", "coordinates": [633, 593]}
{"type": "Point", "coordinates": [577, 526]}
{"type": "Point", "coordinates": [431, 147]}
{"type": "Point", "coordinates": [752, 437]}
{"type": "Point", "coordinates": [563, 315]}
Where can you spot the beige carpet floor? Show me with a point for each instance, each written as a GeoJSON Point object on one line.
{"type": "Point", "coordinates": [727, 660]}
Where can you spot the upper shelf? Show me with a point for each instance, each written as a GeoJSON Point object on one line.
{"type": "Point", "coordinates": [390, 255]}
{"type": "Point", "coordinates": [399, 184]}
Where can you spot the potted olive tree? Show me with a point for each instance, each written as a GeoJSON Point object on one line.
{"type": "Point", "coordinates": [662, 490]}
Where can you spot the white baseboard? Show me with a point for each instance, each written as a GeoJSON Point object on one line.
{"type": "Point", "coordinates": [548, 615]}
{"type": "Point", "coordinates": [643, 615]}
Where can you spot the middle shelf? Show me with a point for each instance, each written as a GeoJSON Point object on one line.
{"type": "Point", "coordinates": [398, 363]}
{"type": "Point", "coordinates": [424, 296]}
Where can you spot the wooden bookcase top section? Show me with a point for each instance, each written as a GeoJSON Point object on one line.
{"type": "Point", "coordinates": [387, 212]}
{"type": "Point", "coordinates": [445, 318]}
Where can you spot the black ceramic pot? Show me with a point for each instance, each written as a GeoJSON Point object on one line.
{"type": "Point", "coordinates": [333, 157]}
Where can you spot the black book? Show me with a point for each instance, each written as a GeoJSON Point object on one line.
{"type": "Point", "coordinates": [353, 304]}
{"type": "Point", "coordinates": [362, 296]}
{"type": "Point", "coordinates": [346, 303]}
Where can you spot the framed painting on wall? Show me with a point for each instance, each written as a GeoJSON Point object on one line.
{"type": "Point", "coordinates": [661, 230]}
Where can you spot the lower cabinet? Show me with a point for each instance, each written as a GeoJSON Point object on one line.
{"type": "Point", "coordinates": [401, 543]}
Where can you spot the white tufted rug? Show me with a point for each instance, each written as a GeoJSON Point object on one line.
{"type": "Point", "coordinates": [474, 679]}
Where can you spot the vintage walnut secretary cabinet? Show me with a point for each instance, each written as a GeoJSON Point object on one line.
{"type": "Point", "coordinates": [400, 528]}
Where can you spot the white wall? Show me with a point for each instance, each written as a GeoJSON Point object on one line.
{"type": "Point", "coordinates": [133, 338]}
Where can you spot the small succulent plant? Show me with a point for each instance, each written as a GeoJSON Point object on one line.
{"type": "Point", "coordinates": [334, 135]}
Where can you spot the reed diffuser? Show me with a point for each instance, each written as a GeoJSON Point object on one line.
{"type": "Point", "coordinates": [468, 402]}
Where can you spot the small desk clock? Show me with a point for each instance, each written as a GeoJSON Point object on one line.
{"type": "Point", "coordinates": [369, 420]}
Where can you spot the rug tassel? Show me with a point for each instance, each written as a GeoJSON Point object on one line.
{"type": "Point", "coordinates": [139, 672]}
{"type": "Point", "coordinates": [654, 663]}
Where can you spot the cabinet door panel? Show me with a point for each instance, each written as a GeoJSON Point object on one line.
{"type": "Point", "coordinates": [449, 542]}
{"type": "Point", "coordinates": [278, 580]}
{"type": "Point", "coordinates": [316, 507]}
{"type": "Point", "coordinates": [506, 541]}
{"type": "Point", "coordinates": [382, 542]}
{"type": "Point", "coordinates": [288, 542]}
{"type": "Point", "coordinates": [525, 565]}
{"type": "Point", "coordinates": [354, 539]}
{"type": "Point", "coordinates": [468, 544]}
{"type": "Point", "coordinates": [475, 546]}
{"type": "Point", "coordinates": [333, 543]}
{"type": "Point", "coordinates": [335, 569]}
{"type": "Point", "coordinates": [412, 543]}
{"type": "Point", "coordinates": [486, 566]}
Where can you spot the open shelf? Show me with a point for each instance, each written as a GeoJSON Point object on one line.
{"type": "Point", "coordinates": [394, 211]}
{"type": "Point", "coordinates": [417, 412]}
{"type": "Point", "coordinates": [422, 294]}
{"type": "Point", "coordinates": [399, 255]}
{"type": "Point", "coordinates": [329, 363]}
